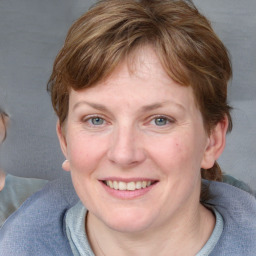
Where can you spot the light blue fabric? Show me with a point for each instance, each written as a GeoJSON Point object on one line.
{"type": "Point", "coordinates": [75, 228]}
{"type": "Point", "coordinates": [215, 236]}
{"type": "Point", "coordinates": [15, 192]}
{"type": "Point", "coordinates": [38, 226]}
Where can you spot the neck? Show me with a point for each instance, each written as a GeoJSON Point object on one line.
{"type": "Point", "coordinates": [181, 236]}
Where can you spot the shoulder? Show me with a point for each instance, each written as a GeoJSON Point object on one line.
{"type": "Point", "coordinates": [229, 197]}
{"type": "Point", "coordinates": [237, 183]}
{"type": "Point", "coordinates": [37, 226]}
{"type": "Point", "coordinates": [238, 209]}
{"type": "Point", "coordinates": [15, 191]}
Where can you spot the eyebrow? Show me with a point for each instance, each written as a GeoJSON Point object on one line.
{"type": "Point", "coordinates": [145, 108]}
{"type": "Point", "coordinates": [91, 104]}
{"type": "Point", "coordinates": [151, 107]}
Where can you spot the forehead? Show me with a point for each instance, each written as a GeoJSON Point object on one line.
{"type": "Point", "coordinates": [141, 79]}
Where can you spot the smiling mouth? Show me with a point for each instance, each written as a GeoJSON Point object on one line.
{"type": "Point", "coordinates": [128, 186]}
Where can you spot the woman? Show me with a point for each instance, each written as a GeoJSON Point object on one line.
{"type": "Point", "coordinates": [140, 90]}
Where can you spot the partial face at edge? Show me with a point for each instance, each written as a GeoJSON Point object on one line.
{"type": "Point", "coordinates": [3, 123]}
{"type": "Point", "coordinates": [137, 127]}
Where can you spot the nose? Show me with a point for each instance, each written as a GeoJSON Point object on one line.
{"type": "Point", "coordinates": [126, 147]}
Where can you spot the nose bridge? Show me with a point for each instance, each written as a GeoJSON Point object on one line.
{"type": "Point", "coordinates": [125, 146]}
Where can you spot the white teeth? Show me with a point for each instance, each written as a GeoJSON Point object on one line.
{"type": "Point", "coordinates": [110, 183]}
{"type": "Point", "coordinates": [122, 185]}
{"type": "Point", "coordinates": [115, 185]}
{"type": "Point", "coordinates": [138, 185]}
{"type": "Point", "coordinates": [144, 184]}
{"type": "Point", "coordinates": [131, 186]}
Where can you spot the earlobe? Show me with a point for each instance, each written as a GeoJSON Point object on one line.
{"type": "Point", "coordinates": [66, 166]}
{"type": "Point", "coordinates": [215, 145]}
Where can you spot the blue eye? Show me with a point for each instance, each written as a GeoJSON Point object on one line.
{"type": "Point", "coordinates": [97, 121]}
{"type": "Point", "coordinates": [160, 121]}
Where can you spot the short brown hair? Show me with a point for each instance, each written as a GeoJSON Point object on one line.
{"type": "Point", "coordinates": [188, 48]}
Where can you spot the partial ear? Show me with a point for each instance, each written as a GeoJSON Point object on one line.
{"type": "Point", "coordinates": [66, 166]}
{"type": "Point", "coordinates": [2, 179]}
{"type": "Point", "coordinates": [216, 144]}
{"type": "Point", "coordinates": [4, 121]}
{"type": "Point", "coordinates": [63, 145]}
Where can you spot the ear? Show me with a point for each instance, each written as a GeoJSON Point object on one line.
{"type": "Point", "coordinates": [63, 146]}
{"type": "Point", "coordinates": [4, 121]}
{"type": "Point", "coordinates": [2, 179]}
{"type": "Point", "coordinates": [215, 144]}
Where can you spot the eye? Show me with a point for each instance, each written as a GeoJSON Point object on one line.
{"type": "Point", "coordinates": [160, 121]}
{"type": "Point", "coordinates": [96, 121]}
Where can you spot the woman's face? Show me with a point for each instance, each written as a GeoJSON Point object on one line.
{"type": "Point", "coordinates": [135, 145]}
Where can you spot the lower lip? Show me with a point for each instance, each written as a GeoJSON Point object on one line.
{"type": "Point", "coordinates": [127, 194]}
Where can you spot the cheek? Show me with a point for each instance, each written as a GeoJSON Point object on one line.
{"type": "Point", "coordinates": [178, 155]}
{"type": "Point", "coordinates": [187, 152]}
{"type": "Point", "coordinates": [84, 152]}
{"type": "Point", "coordinates": [84, 155]}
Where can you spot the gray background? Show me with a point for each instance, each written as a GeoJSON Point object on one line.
{"type": "Point", "coordinates": [32, 32]}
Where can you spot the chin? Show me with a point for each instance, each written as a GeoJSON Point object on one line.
{"type": "Point", "coordinates": [129, 221]}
